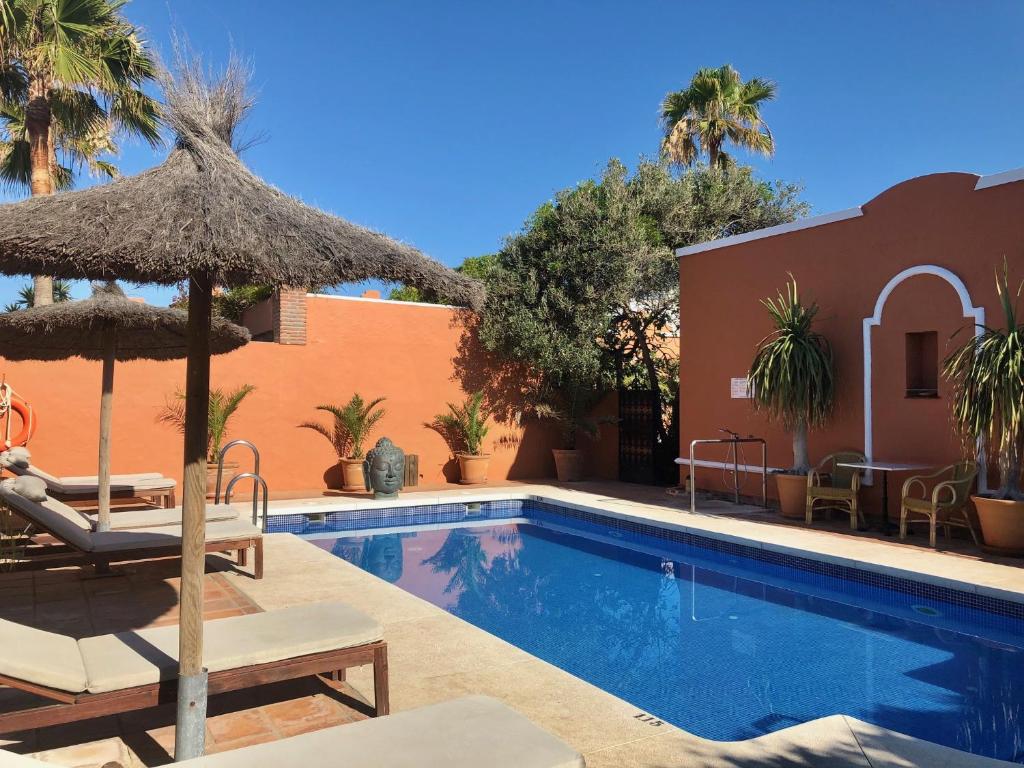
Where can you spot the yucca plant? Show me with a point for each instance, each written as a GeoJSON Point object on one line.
{"type": "Point", "coordinates": [792, 378]}
{"type": "Point", "coordinates": [222, 407]}
{"type": "Point", "coordinates": [464, 427]}
{"type": "Point", "coordinates": [351, 425]}
{"type": "Point", "coordinates": [987, 373]}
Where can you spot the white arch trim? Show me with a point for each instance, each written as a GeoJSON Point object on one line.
{"type": "Point", "coordinates": [970, 311]}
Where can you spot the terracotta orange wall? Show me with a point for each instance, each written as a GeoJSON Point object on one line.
{"type": "Point", "coordinates": [403, 352]}
{"type": "Point", "coordinates": [939, 220]}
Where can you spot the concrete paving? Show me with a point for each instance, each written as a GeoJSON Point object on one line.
{"type": "Point", "coordinates": [436, 656]}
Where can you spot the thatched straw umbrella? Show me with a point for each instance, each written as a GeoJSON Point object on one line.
{"type": "Point", "coordinates": [203, 217]}
{"type": "Point", "coordinates": [107, 326]}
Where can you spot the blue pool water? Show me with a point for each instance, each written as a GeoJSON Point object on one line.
{"type": "Point", "coordinates": [722, 645]}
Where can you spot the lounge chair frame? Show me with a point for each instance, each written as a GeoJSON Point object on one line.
{"type": "Point", "coordinates": [70, 553]}
{"type": "Point", "coordinates": [71, 707]}
{"type": "Point", "coordinates": [158, 497]}
{"type": "Point", "coordinates": [65, 554]}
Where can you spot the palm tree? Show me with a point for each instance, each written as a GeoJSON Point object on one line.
{"type": "Point", "coordinates": [27, 295]}
{"type": "Point", "coordinates": [71, 77]}
{"type": "Point", "coordinates": [717, 107]}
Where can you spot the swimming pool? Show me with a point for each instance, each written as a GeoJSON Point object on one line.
{"type": "Point", "coordinates": [725, 641]}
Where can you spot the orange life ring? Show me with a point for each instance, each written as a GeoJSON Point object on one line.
{"type": "Point", "coordinates": [28, 422]}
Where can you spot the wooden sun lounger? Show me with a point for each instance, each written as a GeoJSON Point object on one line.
{"type": "Point", "coordinates": [151, 486]}
{"type": "Point", "coordinates": [81, 544]}
{"type": "Point", "coordinates": [469, 732]}
{"type": "Point", "coordinates": [129, 671]}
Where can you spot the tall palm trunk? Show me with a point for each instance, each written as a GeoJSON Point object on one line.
{"type": "Point", "coordinates": [41, 151]}
{"type": "Point", "coordinates": [714, 153]}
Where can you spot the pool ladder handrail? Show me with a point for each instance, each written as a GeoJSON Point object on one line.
{"type": "Point", "coordinates": [257, 481]}
{"type": "Point", "coordinates": [734, 439]}
{"type": "Point", "coordinates": [259, 484]}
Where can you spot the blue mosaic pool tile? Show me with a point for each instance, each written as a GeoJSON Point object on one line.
{"type": "Point", "coordinates": [341, 521]}
{"type": "Point", "coordinates": [818, 573]}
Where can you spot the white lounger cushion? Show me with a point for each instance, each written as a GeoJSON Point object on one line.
{"type": "Point", "coordinates": [472, 732]}
{"type": "Point", "coordinates": [168, 536]}
{"type": "Point", "coordinates": [141, 483]}
{"type": "Point", "coordinates": [74, 528]}
{"type": "Point", "coordinates": [66, 523]}
{"type": "Point", "coordinates": [155, 518]}
{"type": "Point", "coordinates": [128, 659]}
{"type": "Point", "coordinates": [115, 479]}
{"type": "Point", "coordinates": [43, 658]}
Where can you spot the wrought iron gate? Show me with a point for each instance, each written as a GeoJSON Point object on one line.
{"type": "Point", "coordinates": [638, 435]}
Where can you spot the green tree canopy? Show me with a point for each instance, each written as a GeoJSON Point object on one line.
{"type": "Point", "coordinates": [582, 295]}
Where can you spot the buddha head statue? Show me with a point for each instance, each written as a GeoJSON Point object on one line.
{"type": "Point", "coordinates": [384, 469]}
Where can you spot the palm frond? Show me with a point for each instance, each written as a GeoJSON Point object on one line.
{"type": "Point", "coordinates": [792, 377]}
{"type": "Point", "coordinates": [464, 426]}
{"type": "Point", "coordinates": [352, 424]}
{"type": "Point", "coordinates": [987, 373]}
{"type": "Point", "coordinates": [716, 106]}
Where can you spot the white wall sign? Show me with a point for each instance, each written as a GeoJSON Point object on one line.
{"type": "Point", "coordinates": [739, 388]}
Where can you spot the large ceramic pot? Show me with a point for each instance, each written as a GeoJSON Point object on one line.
{"type": "Point", "coordinates": [792, 495]}
{"type": "Point", "coordinates": [1002, 524]}
{"type": "Point", "coordinates": [568, 465]}
{"type": "Point", "coordinates": [230, 470]}
{"type": "Point", "coordinates": [352, 475]}
{"type": "Point", "coordinates": [473, 468]}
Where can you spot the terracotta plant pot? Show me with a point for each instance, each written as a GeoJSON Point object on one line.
{"type": "Point", "coordinates": [473, 468]}
{"type": "Point", "coordinates": [792, 495]}
{"type": "Point", "coordinates": [352, 475]}
{"type": "Point", "coordinates": [568, 465]}
{"type": "Point", "coordinates": [1002, 524]}
{"type": "Point", "coordinates": [230, 470]}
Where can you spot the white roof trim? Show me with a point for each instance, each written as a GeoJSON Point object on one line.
{"type": "Point", "coordinates": [984, 182]}
{"type": "Point", "coordinates": [421, 304]}
{"type": "Point", "coordinates": [995, 179]}
{"type": "Point", "coordinates": [779, 229]}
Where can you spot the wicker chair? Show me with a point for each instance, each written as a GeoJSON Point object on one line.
{"type": "Point", "coordinates": [835, 487]}
{"type": "Point", "coordinates": [947, 504]}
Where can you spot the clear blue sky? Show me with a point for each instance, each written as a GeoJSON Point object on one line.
{"type": "Point", "coordinates": [446, 123]}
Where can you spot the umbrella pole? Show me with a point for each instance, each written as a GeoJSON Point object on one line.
{"type": "Point", "coordinates": [106, 409]}
{"type": "Point", "coordinates": [190, 730]}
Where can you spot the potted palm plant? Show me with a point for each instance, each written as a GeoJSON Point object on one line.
{"type": "Point", "coordinates": [987, 373]}
{"type": "Point", "coordinates": [570, 408]}
{"type": "Point", "coordinates": [352, 424]}
{"type": "Point", "coordinates": [223, 405]}
{"type": "Point", "coordinates": [792, 380]}
{"type": "Point", "coordinates": [464, 428]}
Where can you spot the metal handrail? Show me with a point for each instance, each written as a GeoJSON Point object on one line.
{"type": "Point", "coordinates": [257, 482]}
{"type": "Point", "coordinates": [220, 465]}
{"type": "Point", "coordinates": [255, 474]}
{"type": "Point", "coordinates": [734, 440]}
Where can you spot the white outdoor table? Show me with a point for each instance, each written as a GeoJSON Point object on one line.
{"type": "Point", "coordinates": [885, 467]}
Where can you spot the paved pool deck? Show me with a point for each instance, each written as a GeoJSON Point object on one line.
{"type": "Point", "coordinates": [435, 656]}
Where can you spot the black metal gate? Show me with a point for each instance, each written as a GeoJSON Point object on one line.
{"type": "Point", "coordinates": [638, 435]}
